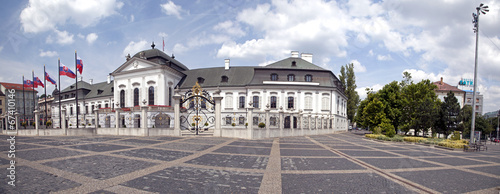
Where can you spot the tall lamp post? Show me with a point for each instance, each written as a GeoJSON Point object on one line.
{"type": "Point", "coordinates": [498, 122]}
{"type": "Point", "coordinates": [475, 20]}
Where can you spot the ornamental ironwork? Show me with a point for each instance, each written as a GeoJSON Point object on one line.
{"type": "Point", "coordinates": [200, 106]}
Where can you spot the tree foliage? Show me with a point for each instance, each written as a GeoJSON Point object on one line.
{"type": "Point", "coordinates": [348, 79]}
{"type": "Point", "coordinates": [449, 111]}
{"type": "Point", "coordinates": [419, 106]}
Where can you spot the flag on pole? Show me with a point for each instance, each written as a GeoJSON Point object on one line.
{"type": "Point", "coordinates": [79, 65]}
{"type": "Point", "coordinates": [63, 70]}
{"type": "Point", "coordinates": [37, 82]}
{"type": "Point", "coordinates": [28, 83]}
{"type": "Point", "coordinates": [48, 78]}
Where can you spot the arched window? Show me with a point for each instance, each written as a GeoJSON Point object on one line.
{"type": "Point", "coordinates": [241, 102]}
{"type": "Point", "coordinates": [274, 77]}
{"type": "Point", "coordinates": [290, 102]}
{"type": "Point", "coordinates": [291, 77]}
{"type": "Point", "coordinates": [308, 102]}
{"type": "Point", "coordinates": [136, 97]}
{"type": "Point", "coordinates": [122, 99]}
{"type": "Point", "coordinates": [308, 78]}
{"type": "Point", "coordinates": [151, 95]}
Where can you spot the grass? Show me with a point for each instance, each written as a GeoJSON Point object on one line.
{"type": "Point", "coordinates": [433, 141]}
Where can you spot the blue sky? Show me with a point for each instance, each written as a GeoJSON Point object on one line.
{"type": "Point", "coordinates": [428, 38]}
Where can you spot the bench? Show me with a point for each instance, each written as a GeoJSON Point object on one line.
{"type": "Point", "coordinates": [475, 147]}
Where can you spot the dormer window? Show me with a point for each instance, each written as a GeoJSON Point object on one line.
{"type": "Point", "coordinates": [201, 80]}
{"type": "Point", "coordinates": [291, 77]}
{"type": "Point", "coordinates": [308, 78]}
{"type": "Point", "coordinates": [224, 79]}
{"type": "Point", "coordinates": [294, 64]}
{"type": "Point", "coordinates": [274, 77]}
{"type": "Point", "coordinates": [99, 92]}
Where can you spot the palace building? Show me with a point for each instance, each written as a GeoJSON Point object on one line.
{"type": "Point", "coordinates": [289, 97]}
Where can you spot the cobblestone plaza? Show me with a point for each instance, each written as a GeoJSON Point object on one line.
{"type": "Point", "coordinates": [335, 163]}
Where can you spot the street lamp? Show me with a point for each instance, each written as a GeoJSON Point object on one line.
{"type": "Point", "coordinates": [498, 122]}
{"type": "Point", "coordinates": [475, 20]}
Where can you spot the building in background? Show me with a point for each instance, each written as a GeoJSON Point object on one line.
{"type": "Point", "coordinates": [443, 89]}
{"type": "Point", "coordinates": [41, 108]}
{"type": "Point", "coordinates": [30, 95]}
{"type": "Point", "coordinates": [469, 94]}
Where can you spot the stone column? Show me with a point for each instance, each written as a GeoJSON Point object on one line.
{"type": "Point", "coordinates": [316, 122]}
{"type": "Point", "coordinates": [96, 118]}
{"type": "Point", "coordinates": [218, 116]}
{"type": "Point", "coordinates": [250, 122]}
{"type": "Point", "coordinates": [301, 120]}
{"type": "Point", "coordinates": [281, 123]}
{"type": "Point", "coordinates": [291, 123]}
{"type": "Point", "coordinates": [63, 121]}
{"type": "Point", "coordinates": [177, 113]}
{"type": "Point", "coordinates": [37, 114]}
{"type": "Point", "coordinates": [144, 122]}
{"type": "Point", "coordinates": [268, 130]}
{"type": "Point", "coordinates": [117, 121]}
{"type": "Point", "coordinates": [309, 123]}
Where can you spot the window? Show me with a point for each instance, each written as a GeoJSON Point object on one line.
{"type": "Point", "coordinates": [229, 100]}
{"type": "Point", "coordinates": [228, 120]}
{"type": "Point", "coordinates": [122, 99]}
{"type": "Point", "coordinates": [308, 78]}
{"type": "Point", "coordinates": [477, 107]}
{"type": "Point", "coordinates": [106, 105]}
{"type": "Point", "coordinates": [136, 97]}
{"type": "Point", "coordinates": [325, 103]}
{"type": "Point", "coordinates": [71, 110]}
{"type": "Point", "coordinates": [290, 102]}
{"type": "Point", "coordinates": [0, 102]}
{"type": "Point", "coordinates": [151, 95]}
{"type": "Point", "coordinates": [99, 92]}
{"type": "Point", "coordinates": [294, 64]}
{"type": "Point", "coordinates": [78, 109]}
{"type": "Point", "coordinates": [242, 102]}
{"type": "Point", "coordinates": [255, 120]}
{"type": "Point", "coordinates": [201, 80]}
{"type": "Point", "coordinates": [308, 101]}
{"type": "Point", "coordinates": [224, 79]}
{"type": "Point", "coordinates": [93, 107]}
{"type": "Point", "coordinates": [256, 101]}
{"type": "Point", "coordinates": [274, 101]}
{"type": "Point", "coordinates": [99, 106]}
{"type": "Point", "coordinates": [86, 109]}
{"type": "Point", "coordinates": [469, 100]}
{"type": "Point", "coordinates": [272, 121]}
{"type": "Point", "coordinates": [477, 100]}
{"type": "Point", "coordinates": [274, 77]}
{"type": "Point", "coordinates": [291, 77]}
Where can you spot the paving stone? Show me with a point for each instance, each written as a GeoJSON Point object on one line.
{"type": "Point", "coordinates": [193, 180]}
{"type": "Point", "coordinates": [339, 183]}
{"type": "Point", "coordinates": [318, 164]}
{"type": "Point", "coordinates": [397, 163]}
{"type": "Point", "coordinates": [300, 146]}
{"type": "Point", "coordinates": [244, 150]}
{"type": "Point", "coordinates": [99, 166]}
{"type": "Point", "coordinates": [495, 170]}
{"type": "Point", "coordinates": [417, 153]}
{"type": "Point", "coordinates": [337, 147]}
{"type": "Point", "coordinates": [253, 144]}
{"type": "Point", "coordinates": [454, 161]}
{"type": "Point", "coordinates": [30, 180]}
{"type": "Point", "coordinates": [367, 153]}
{"type": "Point", "coordinates": [102, 192]}
{"type": "Point", "coordinates": [99, 139]}
{"type": "Point", "coordinates": [203, 140]}
{"type": "Point", "coordinates": [389, 148]}
{"type": "Point", "coordinates": [233, 161]}
{"type": "Point", "coordinates": [4, 161]}
{"type": "Point", "coordinates": [18, 147]}
{"type": "Point", "coordinates": [450, 180]}
{"type": "Point", "coordinates": [63, 143]}
{"type": "Point", "coordinates": [168, 138]}
{"type": "Point", "coordinates": [100, 147]}
{"type": "Point", "coordinates": [155, 154]}
{"type": "Point", "coordinates": [138, 142]}
{"type": "Point", "coordinates": [305, 152]}
{"type": "Point", "coordinates": [185, 146]}
{"type": "Point", "coordinates": [44, 154]}
{"type": "Point", "coordinates": [33, 140]}
{"type": "Point", "coordinates": [487, 158]}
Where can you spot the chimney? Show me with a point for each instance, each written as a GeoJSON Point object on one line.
{"type": "Point", "coordinates": [441, 83]}
{"type": "Point", "coordinates": [295, 54]}
{"type": "Point", "coordinates": [307, 56]}
{"type": "Point", "coordinates": [91, 81]}
{"type": "Point", "coordinates": [226, 62]}
{"type": "Point", "coordinates": [109, 79]}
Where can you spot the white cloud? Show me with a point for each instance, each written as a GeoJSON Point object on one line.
{"type": "Point", "coordinates": [62, 38]}
{"type": "Point", "coordinates": [357, 66]}
{"type": "Point", "coordinates": [201, 40]}
{"type": "Point", "coordinates": [170, 8]}
{"type": "Point", "coordinates": [163, 34]}
{"type": "Point", "coordinates": [229, 28]}
{"type": "Point", "coordinates": [79, 35]}
{"type": "Point", "coordinates": [132, 18]}
{"type": "Point", "coordinates": [362, 90]}
{"type": "Point", "coordinates": [1, 48]}
{"type": "Point", "coordinates": [370, 53]}
{"type": "Point", "coordinates": [40, 15]}
{"type": "Point", "coordinates": [48, 53]}
{"type": "Point", "coordinates": [133, 47]}
{"type": "Point", "coordinates": [91, 37]}
{"type": "Point", "coordinates": [384, 57]}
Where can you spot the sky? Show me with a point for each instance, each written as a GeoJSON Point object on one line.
{"type": "Point", "coordinates": [428, 38]}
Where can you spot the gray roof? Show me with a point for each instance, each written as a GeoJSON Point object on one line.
{"type": "Point", "coordinates": [237, 76]}
{"type": "Point", "coordinates": [155, 53]}
{"type": "Point", "coordinates": [299, 64]}
{"type": "Point", "coordinates": [81, 85]}
{"type": "Point", "coordinates": [96, 90]}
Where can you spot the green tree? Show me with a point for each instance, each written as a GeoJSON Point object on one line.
{"type": "Point", "coordinates": [373, 114]}
{"type": "Point", "coordinates": [465, 117]}
{"type": "Point", "coordinates": [419, 106]}
{"type": "Point", "coordinates": [390, 95]}
{"type": "Point", "coordinates": [448, 115]}
{"type": "Point", "coordinates": [348, 79]}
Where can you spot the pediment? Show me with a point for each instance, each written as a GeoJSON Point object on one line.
{"type": "Point", "coordinates": [135, 64]}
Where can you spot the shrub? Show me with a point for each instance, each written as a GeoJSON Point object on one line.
{"type": "Point", "coordinates": [377, 130]}
{"type": "Point", "coordinates": [206, 124]}
{"type": "Point", "coordinates": [397, 138]}
{"type": "Point", "coordinates": [70, 124]}
{"type": "Point", "coordinates": [455, 136]}
{"type": "Point", "coordinates": [414, 139]}
{"type": "Point", "coordinates": [385, 127]}
{"type": "Point", "coordinates": [246, 124]}
{"type": "Point", "coordinates": [262, 125]}
{"type": "Point", "coordinates": [48, 123]}
{"type": "Point", "coordinates": [390, 132]}
{"type": "Point", "coordinates": [233, 124]}
{"type": "Point", "coordinates": [453, 144]}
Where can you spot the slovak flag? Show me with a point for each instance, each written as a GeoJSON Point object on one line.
{"type": "Point", "coordinates": [79, 65]}
{"type": "Point", "coordinates": [28, 84]}
{"type": "Point", "coordinates": [47, 77]}
{"type": "Point", "coordinates": [38, 82]}
{"type": "Point", "coordinates": [66, 71]}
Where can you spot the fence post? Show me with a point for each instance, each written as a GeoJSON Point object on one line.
{"type": "Point", "coordinates": [282, 122]}
{"type": "Point", "coordinates": [218, 119]}
{"type": "Point", "coordinates": [177, 113]}
{"type": "Point", "coordinates": [268, 132]}
{"type": "Point", "coordinates": [36, 122]}
{"type": "Point", "coordinates": [63, 117]}
{"type": "Point", "coordinates": [250, 122]}
{"type": "Point", "coordinates": [117, 121]}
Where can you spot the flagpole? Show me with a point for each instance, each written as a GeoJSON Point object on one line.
{"type": "Point", "coordinates": [76, 93]}
{"type": "Point", "coordinates": [45, 90]}
{"type": "Point", "coordinates": [59, 91]}
{"type": "Point", "coordinates": [34, 100]}
{"type": "Point", "coordinates": [24, 103]}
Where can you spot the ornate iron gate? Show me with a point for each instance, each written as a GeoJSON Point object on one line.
{"type": "Point", "coordinates": [198, 115]}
